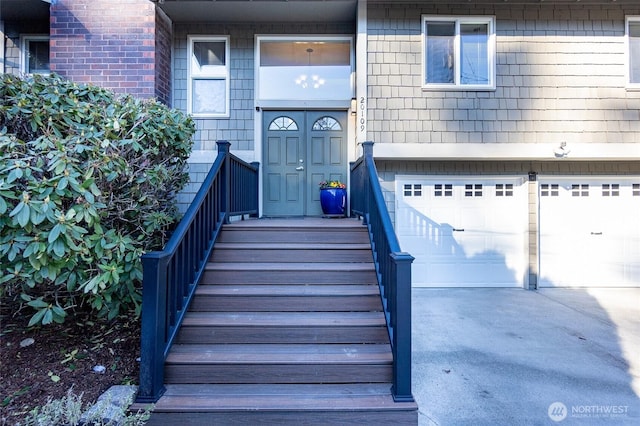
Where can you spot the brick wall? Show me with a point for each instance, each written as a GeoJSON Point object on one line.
{"type": "Point", "coordinates": [110, 43]}
{"type": "Point", "coordinates": [560, 77]}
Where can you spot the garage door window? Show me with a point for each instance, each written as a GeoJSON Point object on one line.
{"type": "Point", "coordinates": [440, 190]}
{"type": "Point", "coordinates": [611, 190]}
{"type": "Point", "coordinates": [473, 190]}
{"type": "Point", "coordinates": [549, 190]}
{"type": "Point", "coordinates": [413, 190]}
{"type": "Point", "coordinates": [504, 190]}
{"type": "Point", "coordinates": [580, 190]}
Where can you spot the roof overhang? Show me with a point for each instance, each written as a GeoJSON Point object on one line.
{"type": "Point", "coordinates": [24, 10]}
{"type": "Point", "coordinates": [259, 10]}
{"type": "Point", "coordinates": [510, 2]}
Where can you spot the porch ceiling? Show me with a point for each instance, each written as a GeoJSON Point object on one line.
{"type": "Point", "coordinates": [23, 10]}
{"type": "Point", "coordinates": [509, 2]}
{"type": "Point", "coordinates": [259, 10]}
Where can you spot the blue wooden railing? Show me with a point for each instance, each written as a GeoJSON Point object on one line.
{"type": "Point", "coordinates": [392, 266]}
{"type": "Point", "coordinates": [170, 276]}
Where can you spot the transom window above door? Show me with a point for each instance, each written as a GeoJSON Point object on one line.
{"type": "Point", "coordinates": [459, 53]}
{"type": "Point", "coordinates": [307, 68]}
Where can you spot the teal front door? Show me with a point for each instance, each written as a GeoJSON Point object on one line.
{"type": "Point", "coordinates": [301, 149]}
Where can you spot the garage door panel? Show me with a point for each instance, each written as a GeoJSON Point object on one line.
{"type": "Point", "coordinates": [478, 271]}
{"type": "Point", "coordinates": [588, 232]}
{"type": "Point", "coordinates": [463, 232]}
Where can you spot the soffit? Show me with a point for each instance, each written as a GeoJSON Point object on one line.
{"type": "Point", "coordinates": [259, 10]}
{"type": "Point", "coordinates": [512, 2]}
{"type": "Point", "coordinates": [23, 10]}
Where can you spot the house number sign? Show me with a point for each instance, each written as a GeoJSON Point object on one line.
{"type": "Point", "coordinates": [363, 121]}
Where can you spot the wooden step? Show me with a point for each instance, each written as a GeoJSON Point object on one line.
{"type": "Point", "coordinates": [279, 363]}
{"type": "Point", "coordinates": [280, 404]}
{"type": "Point", "coordinates": [290, 252]}
{"type": "Point", "coordinates": [283, 327]}
{"type": "Point", "coordinates": [289, 273]}
{"type": "Point", "coordinates": [230, 234]}
{"type": "Point", "coordinates": [307, 298]}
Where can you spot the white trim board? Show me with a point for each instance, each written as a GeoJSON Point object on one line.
{"type": "Point", "coordinates": [507, 151]}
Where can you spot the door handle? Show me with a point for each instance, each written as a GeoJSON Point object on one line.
{"type": "Point", "coordinates": [300, 168]}
{"type": "Point", "coordinates": [458, 229]}
{"type": "Point", "coordinates": [596, 233]}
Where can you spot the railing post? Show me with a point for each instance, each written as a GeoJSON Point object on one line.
{"type": "Point", "coordinates": [154, 321]}
{"type": "Point", "coordinates": [401, 324]}
{"type": "Point", "coordinates": [255, 187]}
{"type": "Point", "coordinates": [367, 154]}
{"type": "Point", "coordinates": [223, 148]}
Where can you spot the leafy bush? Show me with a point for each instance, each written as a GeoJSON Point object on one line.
{"type": "Point", "coordinates": [88, 182]}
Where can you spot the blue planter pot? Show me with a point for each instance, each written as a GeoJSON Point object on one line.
{"type": "Point", "coordinates": [333, 201]}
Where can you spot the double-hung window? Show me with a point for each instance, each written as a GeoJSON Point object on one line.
{"type": "Point", "coordinates": [34, 52]}
{"type": "Point", "coordinates": [459, 52]}
{"type": "Point", "coordinates": [208, 83]}
{"type": "Point", "coordinates": [633, 52]}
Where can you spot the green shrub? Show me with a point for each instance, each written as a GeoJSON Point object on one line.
{"type": "Point", "coordinates": [88, 182]}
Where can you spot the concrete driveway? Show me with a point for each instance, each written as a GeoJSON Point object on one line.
{"type": "Point", "coordinates": [518, 357]}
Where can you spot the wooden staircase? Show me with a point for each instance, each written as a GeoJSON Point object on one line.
{"type": "Point", "coordinates": [286, 327]}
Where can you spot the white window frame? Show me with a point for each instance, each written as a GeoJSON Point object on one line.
{"type": "Point", "coordinates": [491, 52]}
{"type": "Point", "coordinates": [221, 72]}
{"type": "Point", "coordinates": [630, 85]}
{"type": "Point", "coordinates": [304, 38]}
{"type": "Point", "coordinates": [25, 39]}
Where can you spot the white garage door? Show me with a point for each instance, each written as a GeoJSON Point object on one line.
{"type": "Point", "coordinates": [589, 232]}
{"type": "Point", "coordinates": [463, 232]}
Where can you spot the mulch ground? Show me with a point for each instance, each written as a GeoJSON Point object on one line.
{"type": "Point", "coordinates": [61, 357]}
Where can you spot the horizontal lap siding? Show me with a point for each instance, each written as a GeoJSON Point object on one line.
{"type": "Point", "coordinates": [560, 77]}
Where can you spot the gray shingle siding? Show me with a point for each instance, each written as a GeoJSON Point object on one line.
{"type": "Point", "coordinates": [560, 76]}
{"type": "Point", "coordinates": [238, 129]}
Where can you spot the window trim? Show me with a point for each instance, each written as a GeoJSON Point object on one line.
{"type": "Point", "coordinates": [322, 103]}
{"type": "Point", "coordinates": [25, 39]}
{"type": "Point", "coordinates": [490, 20]}
{"type": "Point", "coordinates": [627, 54]}
{"type": "Point", "coordinates": [210, 75]}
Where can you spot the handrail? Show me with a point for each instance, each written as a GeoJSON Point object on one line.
{"type": "Point", "coordinates": [170, 276]}
{"type": "Point", "coordinates": [393, 267]}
